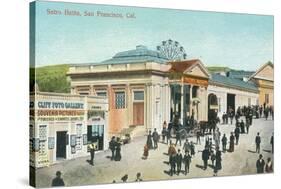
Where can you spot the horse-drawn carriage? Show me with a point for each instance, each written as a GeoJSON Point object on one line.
{"type": "Point", "coordinates": [191, 128]}
{"type": "Point", "coordinates": [187, 130]}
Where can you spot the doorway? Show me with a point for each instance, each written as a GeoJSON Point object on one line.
{"type": "Point", "coordinates": [61, 144]}
{"type": "Point", "coordinates": [212, 107]}
{"type": "Point", "coordinates": [95, 134]}
{"type": "Point", "coordinates": [230, 101]}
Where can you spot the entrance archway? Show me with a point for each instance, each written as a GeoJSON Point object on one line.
{"type": "Point", "coordinates": [212, 107]}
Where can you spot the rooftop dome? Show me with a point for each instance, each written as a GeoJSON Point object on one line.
{"type": "Point", "coordinates": [140, 54]}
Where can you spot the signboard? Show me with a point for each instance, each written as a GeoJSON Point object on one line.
{"type": "Point", "coordinates": [214, 107]}
{"type": "Point", "coordinates": [59, 110]}
{"type": "Point", "coordinates": [200, 82]}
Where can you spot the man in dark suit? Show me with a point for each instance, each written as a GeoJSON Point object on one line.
{"type": "Point", "coordinates": [92, 153]}
{"type": "Point", "coordinates": [186, 162]}
{"type": "Point", "coordinates": [258, 143]}
{"type": "Point", "coordinates": [155, 137]}
{"type": "Point", "coordinates": [205, 157]}
{"type": "Point", "coordinates": [179, 161]}
{"type": "Point", "coordinates": [237, 134]}
{"type": "Point", "coordinates": [224, 142]}
{"type": "Point", "coordinates": [112, 145]}
{"type": "Point", "coordinates": [272, 143]}
{"type": "Point", "coordinates": [172, 162]}
{"type": "Point", "coordinates": [260, 165]}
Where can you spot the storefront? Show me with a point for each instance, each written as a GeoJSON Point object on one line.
{"type": "Point", "coordinates": [59, 126]}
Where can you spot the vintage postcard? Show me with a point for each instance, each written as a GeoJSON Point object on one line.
{"type": "Point", "coordinates": [130, 94]}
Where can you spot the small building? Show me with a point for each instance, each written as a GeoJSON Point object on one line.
{"type": "Point", "coordinates": [264, 79]}
{"type": "Point", "coordinates": [226, 92]}
{"type": "Point", "coordinates": [62, 126]}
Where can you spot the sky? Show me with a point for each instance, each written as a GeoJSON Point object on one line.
{"type": "Point", "coordinates": [239, 41]}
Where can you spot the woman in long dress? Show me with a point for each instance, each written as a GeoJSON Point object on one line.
{"type": "Point", "coordinates": [149, 141]}
{"type": "Point", "coordinates": [118, 151]}
{"type": "Point", "coordinates": [231, 143]}
{"type": "Point", "coordinates": [218, 162]}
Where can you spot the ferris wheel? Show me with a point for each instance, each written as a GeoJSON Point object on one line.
{"type": "Point", "coordinates": [172, 50]}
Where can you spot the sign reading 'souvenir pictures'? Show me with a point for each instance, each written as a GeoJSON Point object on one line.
{"type": "Point", "coordinates": [59, 110]}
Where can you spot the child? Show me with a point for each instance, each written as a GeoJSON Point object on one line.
{"type": "Point", "coordinates": [145, 152]}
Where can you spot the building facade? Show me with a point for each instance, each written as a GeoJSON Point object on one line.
{"type": "Point", "coordinates": [226, 92]}
{"type": "Point", "coordinates": [62, 126]}
{"type": "Point", "coordinates": [188, 84]}
{"type": "Point", "coordinates": [144, 89]}
{"type": "Point", "coordinates": [264, 79]}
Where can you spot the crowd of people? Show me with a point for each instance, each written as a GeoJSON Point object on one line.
{"type": "Point", "coordinates": [216, 143]}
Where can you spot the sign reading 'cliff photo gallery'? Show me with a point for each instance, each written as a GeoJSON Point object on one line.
{"type": "Point", "coordinates": [190, 93]}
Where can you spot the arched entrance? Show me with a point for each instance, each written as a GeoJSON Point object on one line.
{"type": "Point", "coordinates": [212, 107]}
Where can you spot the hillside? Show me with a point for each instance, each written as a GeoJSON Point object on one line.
{"type": "Point", "coordinates": [51, 78]}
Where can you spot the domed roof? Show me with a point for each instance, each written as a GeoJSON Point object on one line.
{"type": "Point", "coordinates": [140, 54]}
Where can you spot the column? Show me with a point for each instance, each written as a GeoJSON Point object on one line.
{"type": "Point", "coordinates": [168, 103]}
{"type": "Point", "coordinates": [182, 103]}
{"type": "Point", "coordinates": [190, 100]}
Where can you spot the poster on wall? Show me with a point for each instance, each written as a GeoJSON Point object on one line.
{"type": "Point", "coordinates": [189, 92]}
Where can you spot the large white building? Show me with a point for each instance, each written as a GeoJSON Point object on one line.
{"type": "Point", "coordinates": [144, 89]}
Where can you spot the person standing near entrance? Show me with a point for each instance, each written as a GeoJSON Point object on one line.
{"type": "Point", "coordinates": [149, 140]}
{"type": "Point", "coordinates": [164, 132]}
{"type": "Point", "coordinates": [112, 145]}
{"type": "Point", "coordinates": [258, 143]}
{"type": "Point", "coordinates": [58, 181]}
{"type": "Point", "coordinates": [92, 148]}
{"type": "Point", "coordinates": [155, 138]}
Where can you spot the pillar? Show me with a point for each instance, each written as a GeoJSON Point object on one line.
{"type": "Point", "coordinates": [182, 103]}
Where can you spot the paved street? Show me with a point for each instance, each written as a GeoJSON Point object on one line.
{"type": "Point", "coordinates": [241, 161]}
